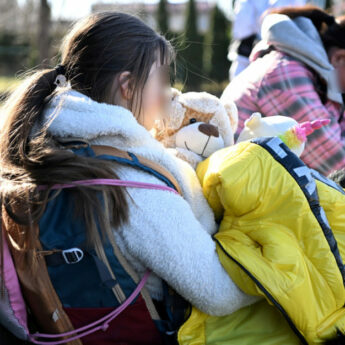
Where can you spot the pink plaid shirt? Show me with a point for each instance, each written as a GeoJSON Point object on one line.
{"type": "Point", "coordinates": [282, 85]}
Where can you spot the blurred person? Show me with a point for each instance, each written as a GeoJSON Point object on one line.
{"type": "Point", "coordinates": [298, 70]}
{"type": "Point", "coordinates": [246, 29]}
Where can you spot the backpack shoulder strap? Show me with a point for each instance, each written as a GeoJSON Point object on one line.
{"type": "Point", "coordinates": [136, 161]}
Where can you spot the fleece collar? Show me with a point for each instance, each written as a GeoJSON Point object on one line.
{"type": "Point", "coordinates": [72, 114]}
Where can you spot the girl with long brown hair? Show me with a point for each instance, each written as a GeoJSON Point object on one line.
{"type": "Point", "coordinates": [108, 90]}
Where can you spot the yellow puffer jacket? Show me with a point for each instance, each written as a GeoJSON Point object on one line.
{"type": "Point", "coordinates": [281, 236]}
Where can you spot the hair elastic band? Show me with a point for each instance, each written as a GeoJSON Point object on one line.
{"type": "Point", "coordinates": [60, 80]}
{"type": "Point", "coordinates": [60, 69]}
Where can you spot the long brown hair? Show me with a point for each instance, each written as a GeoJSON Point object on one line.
{"type": "Point", "coordinates": [331, 30]}
{"type": "Point", "coordinates": [96, 50]}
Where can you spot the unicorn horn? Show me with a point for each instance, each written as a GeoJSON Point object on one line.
{"type": "Point", "coordinates": [297, 135]}
{"type": "Point", "coordinates": [310, 127]}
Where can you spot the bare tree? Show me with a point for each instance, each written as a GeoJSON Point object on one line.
{"type": "Point", "coordinates": [8, 15]}
{"type": "Point", "coordinates": [44, 32]}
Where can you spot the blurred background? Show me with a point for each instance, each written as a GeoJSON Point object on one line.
{"type": "Point", "coordinates": [201, 31]}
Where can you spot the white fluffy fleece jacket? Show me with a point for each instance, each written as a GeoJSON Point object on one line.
{"type": "Point", "coordinates": [166, 233]}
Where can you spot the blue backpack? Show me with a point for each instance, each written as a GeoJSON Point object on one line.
{"type": "Point", "coordinates": [69, 276]}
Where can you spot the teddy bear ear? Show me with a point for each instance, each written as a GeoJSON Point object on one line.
{"type": "Point", "coordinates": [232, 112]}
{"type": "Point", "coordinates": [253, 121]}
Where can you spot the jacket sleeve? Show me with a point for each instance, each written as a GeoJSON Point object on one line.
{"type": "Point", "coordinates": [164, 235]}
{"type": "Point", "coordinates": [289, 90]}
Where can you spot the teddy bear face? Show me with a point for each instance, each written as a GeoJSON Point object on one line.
{"type": "Point", "coordinates": [189, 115]}
{"type": "Point", "coordinates": [186, 124]}
{"type": "Point", "coordinates": [201, 138]}
{"type": "Point", "coordinates": [179, 115]}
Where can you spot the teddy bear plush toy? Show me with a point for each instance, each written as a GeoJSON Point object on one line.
{"type": "Point", "coordinates": [197, 124]}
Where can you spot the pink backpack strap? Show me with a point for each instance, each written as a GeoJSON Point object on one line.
{"type": "Point", "coordinates": [113, 182]}
{"type": "Point", "coordinates": [102, 323]}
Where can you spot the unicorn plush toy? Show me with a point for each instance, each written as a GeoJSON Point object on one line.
{"type": "Point", "coordinates": [293, 134]}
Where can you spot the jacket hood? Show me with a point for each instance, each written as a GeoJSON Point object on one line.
{"type": "Point", "coordinates": [299, 38]}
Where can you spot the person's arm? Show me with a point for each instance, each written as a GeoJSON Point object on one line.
{"type": "Point", "coordinates": [164, 235]}
{"type": "Point", "coordinates": [289, 90]}
{"type": "Point", "coordinates": [244, 23]}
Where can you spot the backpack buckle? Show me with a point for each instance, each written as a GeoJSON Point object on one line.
{"type": "Point", "coordinates": [72, 255]}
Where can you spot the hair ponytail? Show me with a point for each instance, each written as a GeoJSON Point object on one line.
{"type": "Point", "coordinates": [23, 109]}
